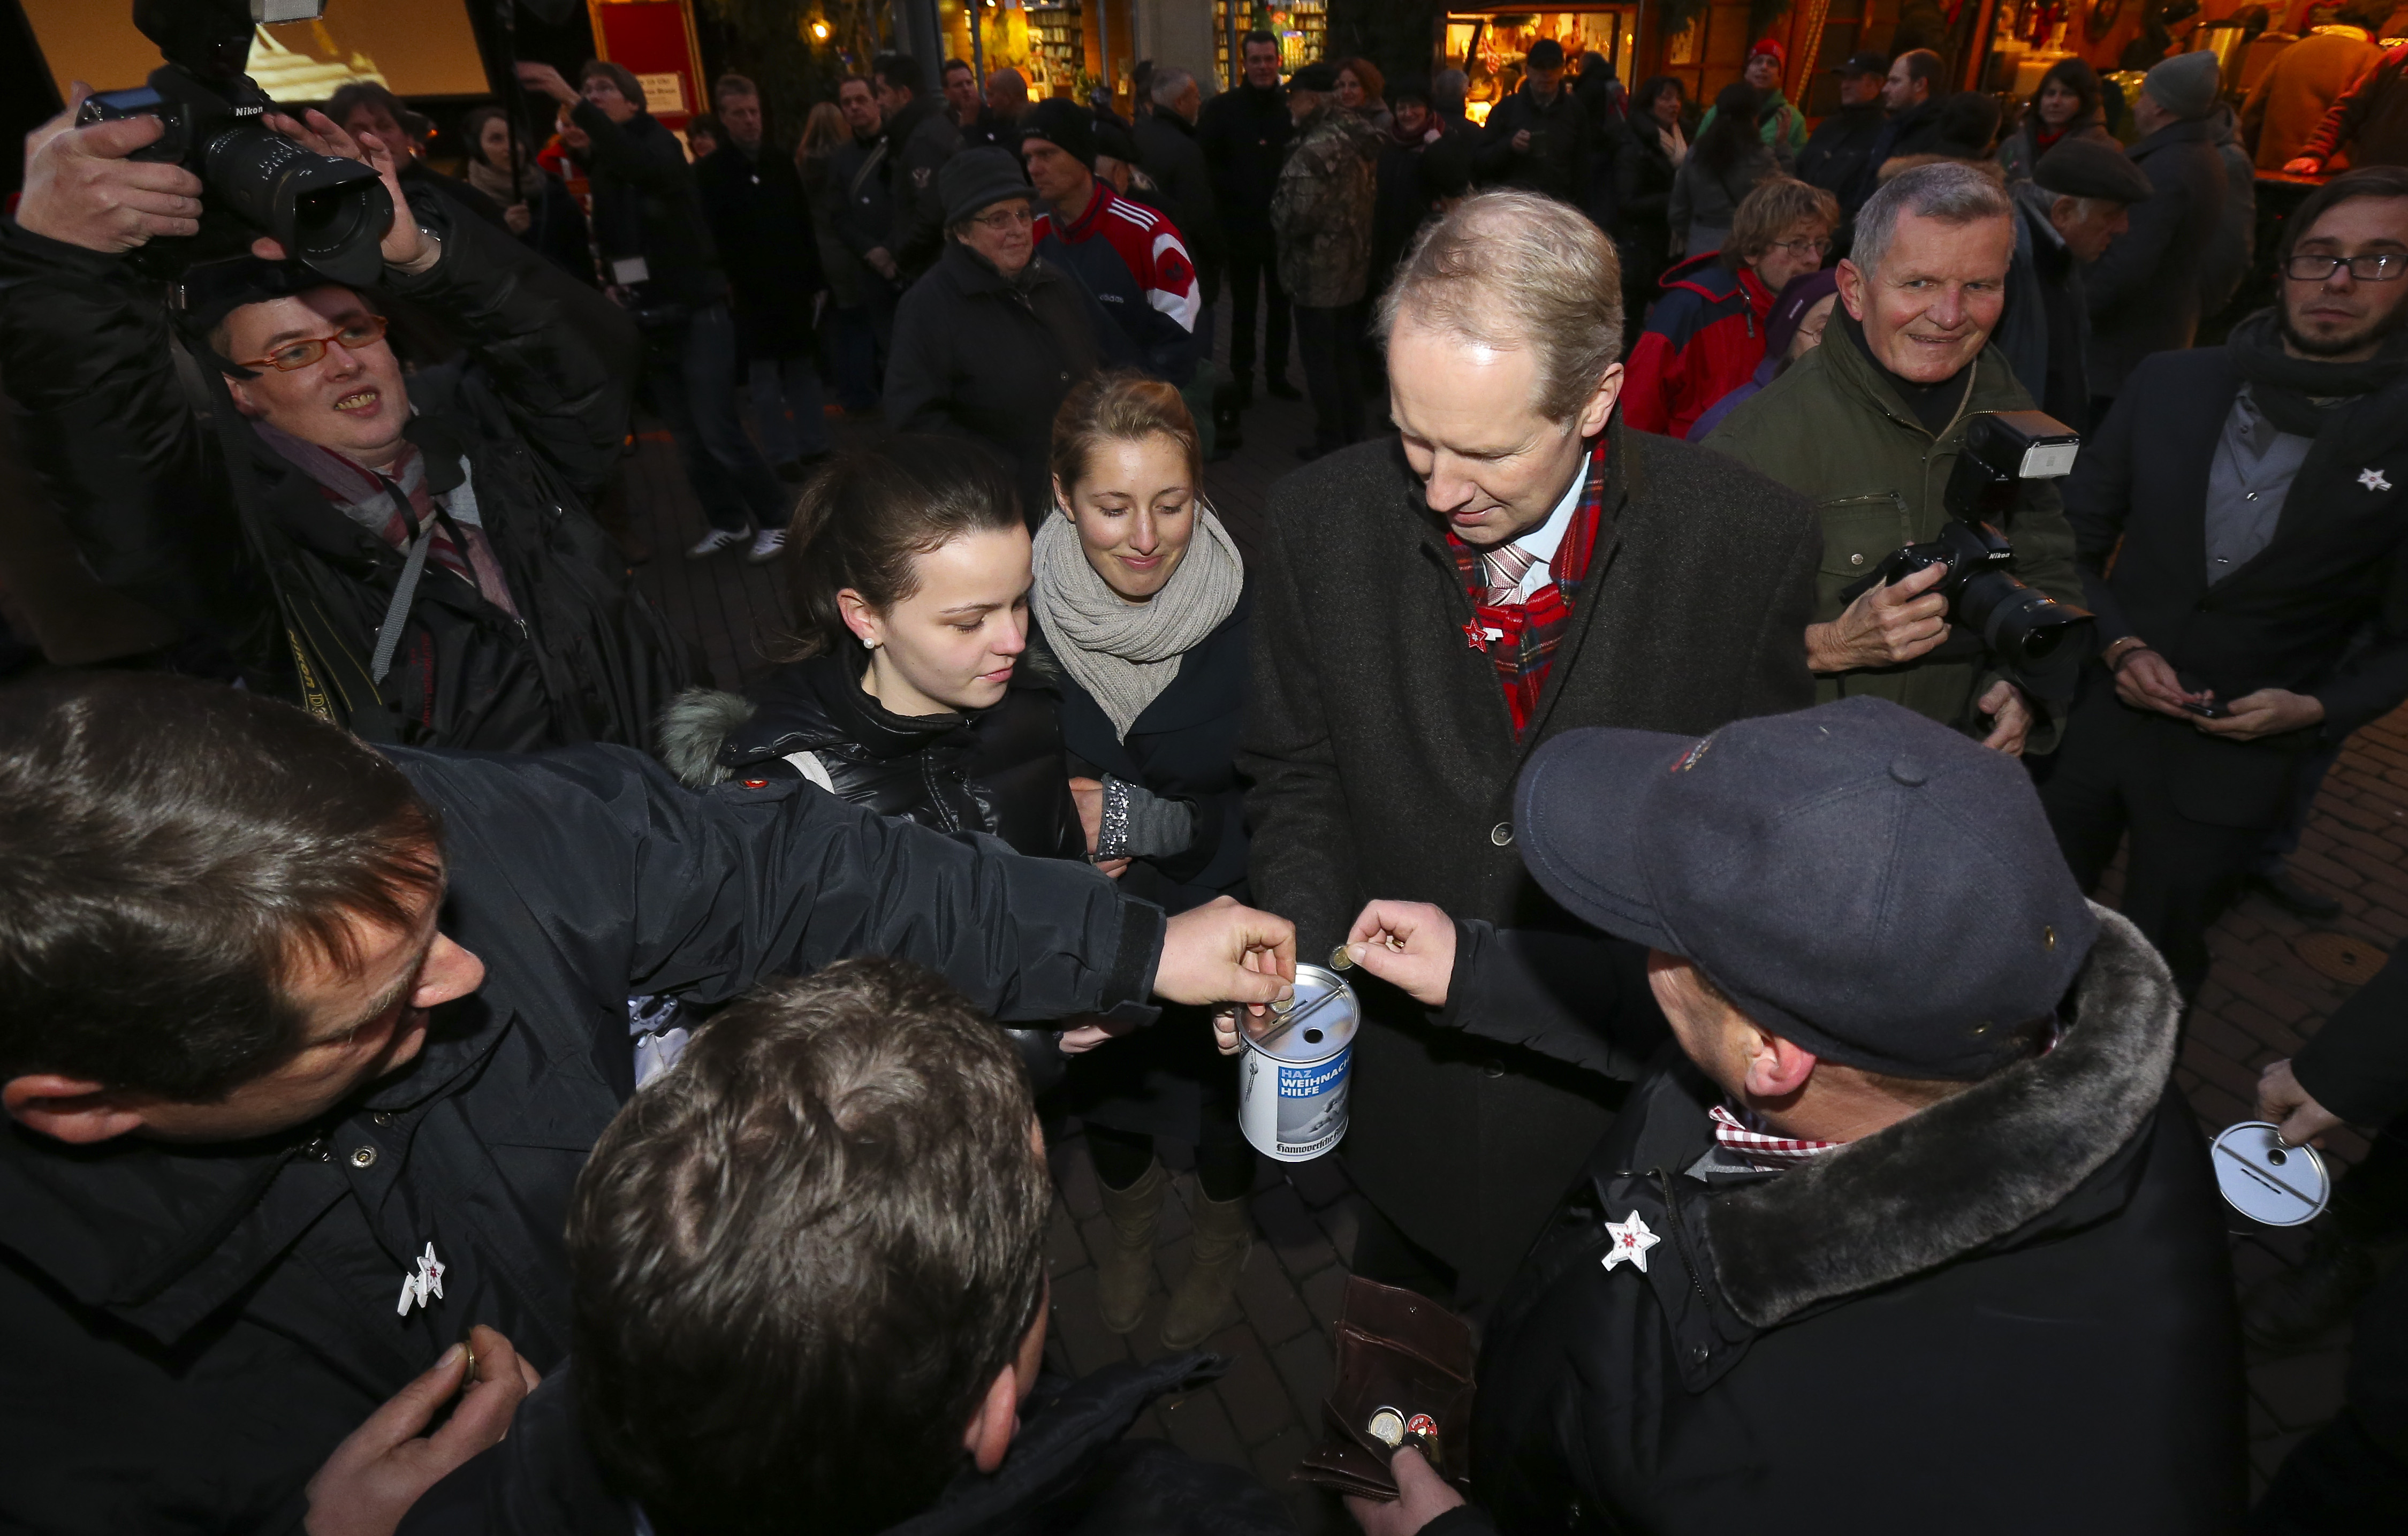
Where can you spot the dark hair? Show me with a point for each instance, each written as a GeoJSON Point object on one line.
{"type": "Point", "coordinates": [1256, 35]}
{"type": "Point", "coordinates": [1969, 124]}
{"type": "Point", "coordinates": [901, 72]}
{"type": "Point", "coordinates": [1643, 101]}
{"type": "Point", "coordinates": [945, 70]}
{"type": "Point", "coordinates": [1921, 64]}
{"type": "Point", "coordinates": [2349, 187]}
{"type": "Point", "coordinates": [170, 850]}
{"type": "Point", "coordinates": [472, 132]}
{"type": "Point", "coordinates": [622, 79]}
{"type": "Point", "coordinates": [707, 124]}
{"type": "Point", "coordinates": [1415, 87]}
{"type": "Point", "coordinates": [799, 1258]}
{"type": "Point", "coordinates": [866, 518]}
{"type": "Point", "coordinates": [2076, 76]}
{"type": "Point", "coordinates": [358, 93]}
{"type": "Point", "coordinates": [1723, 141]}
{"type": "Point", "coordinates": [733, 84]}
{"type": "Point", "coordinates": [1122, 407]}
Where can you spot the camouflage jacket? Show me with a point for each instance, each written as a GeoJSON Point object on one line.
{"type": "Point", "coordinates": [1321, 210]}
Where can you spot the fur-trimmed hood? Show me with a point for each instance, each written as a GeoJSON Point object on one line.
{"type": "Point", "coordinates": [1967, 1172]}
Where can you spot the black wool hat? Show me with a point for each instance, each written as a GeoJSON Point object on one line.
{"type": "Point", "coordinates": [976, 179]}
{"type": "Point", "coordinates": [1114, 140]}
{"type": "Point", "coordinates": [1322, 76]}
{"type": "Point", "coordinates": [1868, 884]}
{"type": "Point", "coordinates": [1065, 125]}
{"type": "Point", "coordinates": [1856, 64]}
{"type": "Point", "coordinates": [2085, 167]}
{"type": "Point", "coordinates": [1546, 53]}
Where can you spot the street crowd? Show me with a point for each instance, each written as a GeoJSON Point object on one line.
{"type": "Point", "coordinates": [1748, 582]}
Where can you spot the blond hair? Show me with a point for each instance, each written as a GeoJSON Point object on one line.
{"type": "Point", "coordinates": [1776, 204]}
{"type": "Point", "coordinates": [1517, 270]}
{"type": "Point", "coordinates": [1121, 406]}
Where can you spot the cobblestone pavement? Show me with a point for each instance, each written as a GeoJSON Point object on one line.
{"type": "Point", "coordinates": [2263, 999]}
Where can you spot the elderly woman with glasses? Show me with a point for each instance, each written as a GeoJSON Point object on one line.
{"type": "Point", "coordinates": [990, 341]}
{"type": "Point", "coordinates": [1707, 335]}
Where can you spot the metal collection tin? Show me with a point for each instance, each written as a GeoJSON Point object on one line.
{"type": "Point", "coordinates": [2266, 1180]}
{"type": "Point", "coordinates": [1292, 1083]}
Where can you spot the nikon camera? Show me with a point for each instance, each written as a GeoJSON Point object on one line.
{"type": "Point", "coordinates": [2037, 639]}
{"type": "Point", "coordinates": [327, 211]}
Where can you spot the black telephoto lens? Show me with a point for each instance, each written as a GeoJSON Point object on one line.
{"type": "Point", "coordinates": [329, 212]}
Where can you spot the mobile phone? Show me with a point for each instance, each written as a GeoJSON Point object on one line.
{"type": "Point", "coordinates": [2215, 709]}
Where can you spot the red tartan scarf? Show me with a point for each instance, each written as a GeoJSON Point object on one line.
{"type": "Point", "coordinates": [1521, 638]}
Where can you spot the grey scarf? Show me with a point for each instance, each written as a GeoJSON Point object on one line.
{"type": "Point", "coordinates": [1121, 653]}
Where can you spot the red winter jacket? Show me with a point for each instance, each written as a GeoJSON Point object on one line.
{"type": "Point", "coordinates": [1704, 340]}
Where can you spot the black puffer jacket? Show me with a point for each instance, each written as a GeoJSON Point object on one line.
{"type": "Point", "coordinates": [998, 771]}
{"type": "Point", "coordinates": [539, 409]}
{"type": "Point", "coordinates": [2013, 1306]}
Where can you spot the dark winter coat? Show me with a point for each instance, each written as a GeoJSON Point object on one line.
{"type": "Point", "coordinates": [762, 223]}
{"type": "Point", "coordinates": [2370, 122]}
{"type": "Point", "coordinates": [2145, 292]}
{"type": "Point", "coordinates": [1556, 162]}
{"type": "Point", "coordinates": [2356, 1065]}
{"type": "Point", "coordinates": [186, 1332]}
{"type": "Point", "coordinates": [647, 203]}
{"type": "Point", "coordinates": [980, 356]}
{"type": "Point", "coordinates": [1705, 201]}
{"type": "Point", "coordinates": [1244, 133]}
{"type": "Point", "coordinates": [539, 409]}
{"type": "Point", "coordinates": [1383, 758]}
{"type": "Point", "coordinates": [1701, 341]}
{"type": "Point", "coordinates": [1642, 226]}
{"type": "Point", "coordinates": [1835, 153]}
{"type": "Point", "coordinates": [1169, 151]}
{"type": "Point", "coordinates": [2337, 566]}
{"type": "Point", "coordinates": [857, 188]}
{"type": "Point", "coordinates": [1914, 131]}
{"type": "Point", "coordinates": [1851, 1346]}
{"type": "Point", "coordinates": [2044, 331]}
{"type": "Point", "coordinates": [999, 771]}
{"type": "Point", "coordinates": [920, 139]}
{"type": "Point", "coordinates": [1069, 1473]}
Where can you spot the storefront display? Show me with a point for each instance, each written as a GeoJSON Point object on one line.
{"type": "Point", "coordinates": [1489, 46]}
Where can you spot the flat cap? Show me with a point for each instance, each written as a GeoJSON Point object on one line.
{"type": "Point", "coordinates": [1319, 76]}
{"type": "Point", "coordinates": [1861, 64]}
{"type": "Point", "coordinates": [2085, 167]}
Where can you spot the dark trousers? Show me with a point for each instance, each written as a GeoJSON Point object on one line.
{"type": "Point", "coordinates": [1333, 372]}
{"type": "Point", "coordinates": [2182, 872]}
{"type": "Point", "coordinates": [2352, 1474]}
{"type": "Point", "coordinates": [691, 370]}
{"type": "Point", "coordinates": [1253, 261]}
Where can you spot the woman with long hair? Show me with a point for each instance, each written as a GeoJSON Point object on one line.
{"type": "Point", "coordinates": [1140, 603]}
{"type": "Point", "coordinates": [536, 206]}
{"type": "Point", "coordinates": [1729, 158]}
{"type": "Point", "coordinates": [1645, 167]}
{"type": "Point", "coordinates": [1360, 90]}
{"type": "Point", "coordinates": [2065, 107]}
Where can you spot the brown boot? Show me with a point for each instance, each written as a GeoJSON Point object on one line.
{"type": "Point", "coordinates": [1125, 1272]}
{"type": "Point", "coordinates": [1205, 1301]}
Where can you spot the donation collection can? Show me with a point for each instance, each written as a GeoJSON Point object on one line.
{"type": "Point", "coordinates": [1292, 1083]}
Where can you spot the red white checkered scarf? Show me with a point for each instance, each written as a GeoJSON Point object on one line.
{"type": "Point", "coordinates": [1521, 636]}
{"type": "Point", "coordinates": [1765, 1152]}
{"type": "Point", "coordinates": [367, 499]}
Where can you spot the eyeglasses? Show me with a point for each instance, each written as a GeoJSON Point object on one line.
{"type": "Point", "coordinates": [1817, 249]}
{"type": "Point", "coordinates": [1016, 216]}
{"type": "Point", "coordinates": [366, 331]}
{"type": "Point", "coordinates": [2384, 269]}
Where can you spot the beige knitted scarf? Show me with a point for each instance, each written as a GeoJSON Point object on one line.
{"type": "Point", "coordinates": [1126, 653]}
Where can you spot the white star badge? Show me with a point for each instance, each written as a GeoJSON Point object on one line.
{"type": "Point", "coordinates": [428, 1281]}
{"type": "Point", "coordinates": [1631, 1240]}
{"type": "Point", "coordinates": [2373, 480]}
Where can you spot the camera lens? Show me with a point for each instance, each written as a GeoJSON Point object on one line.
{"type": "Point", "coordinates": [327, 211]}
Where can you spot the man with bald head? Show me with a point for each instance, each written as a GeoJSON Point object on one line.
{"type": "Point", "coordinates": [1005, 103]}
{"type": "Point", "coordinates": [1433, 606]}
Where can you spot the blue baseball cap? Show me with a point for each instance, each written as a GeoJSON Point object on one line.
{"type": "Point", "coordinates": [1873, 886]}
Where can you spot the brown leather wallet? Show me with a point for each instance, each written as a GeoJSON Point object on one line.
{"type": "Point", "coordinates": [1403, 1378]}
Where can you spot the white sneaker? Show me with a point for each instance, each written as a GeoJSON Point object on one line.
{"type": "Point", "coordinates": [767, 546]}
{"type": "Point", "coordinates": [716, 540]}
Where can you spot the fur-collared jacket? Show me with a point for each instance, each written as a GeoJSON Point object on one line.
{"type": "Point", "coordinates": [2010, 1311]}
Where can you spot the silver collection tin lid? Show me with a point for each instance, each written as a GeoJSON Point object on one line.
{"type": "Point", "coordinates": [1320, 1023]}
{"type": "Point", "coordinates": [2268, 1182]}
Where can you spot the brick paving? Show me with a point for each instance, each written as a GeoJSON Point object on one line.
{"type": "Point", "coordinates": [2262, 1000]}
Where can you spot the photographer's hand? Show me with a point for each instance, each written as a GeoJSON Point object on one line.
{"type": "Point", "coordinates": [81, 189]}
{"type": "Point", "coordinates": [405, 245]}
{"type": "Point", "coordinates": [1896, 622]}
{"type": "Point", "coordinates": [2011, 718]}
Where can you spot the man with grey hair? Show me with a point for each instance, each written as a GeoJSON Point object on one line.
{"type": "Point", "coordinates": [1430, 609]}
{"type": "Point", "coordinates": [1867, 427]}
{"type": "Point", "coordinates": [1168, 150]}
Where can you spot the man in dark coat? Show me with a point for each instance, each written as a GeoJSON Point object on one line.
{"type": "Point", "coordinates": [489, 611]}
{"type": "Point", "coordinates": [1538, 138]}
{"type": "Point", "coordinates": [1168, 150]}
{"type": "Point", "coordinates": [988, 343]}
{"type": "Point", "coordinates": [2076, 203]}
{"type": "Point", "coordinates": [920, 138]}
{"type": "Point", "coordinates": [1835, 155]}
{"type": "Point", "coordinates": [1245, 132]}
{"type": "Point", "coordinates": [2144, 292]}
{"type": "Point", "coordinates": [2352, 1474]}
{"type": "Point", "coordinates": [1865, 1213]}
{"type": "Point", "coordinates": [2249, 497]}
{"type": "Point", "coordinates": [221, 1181]}
{"type": "Point", "coordinates": [1413, 646]}
{"type": "Point", "coordinates": [1911, 90]}
{"type": "Point", "coordinates": [761, 221]}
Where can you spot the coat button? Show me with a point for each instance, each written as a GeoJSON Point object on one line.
{"type": "Point", "coordinates": [381, 1118]}
{"type": "Point", "coordinates": [1855, 559]}
{"type": "Point", "coordinates": [1698, 1353]}
{"type": "Point", "coordinates": [364, 1157]}
{"type": "Point", "coordinates": [1492, 1069]}
{"type": "Point", "coordinates": [1501, 834]}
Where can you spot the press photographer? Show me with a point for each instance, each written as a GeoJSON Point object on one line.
{"type": "Point", "coordinates": [411, 559]}
{"type": "Point", "coordinates": [1869, 426]}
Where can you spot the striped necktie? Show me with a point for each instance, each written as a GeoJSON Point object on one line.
{"type": "Point", "coordinates": [1504, 567]}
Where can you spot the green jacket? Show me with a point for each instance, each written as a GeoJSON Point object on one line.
{"type": "Point", "coordinates": [1833, 428]}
